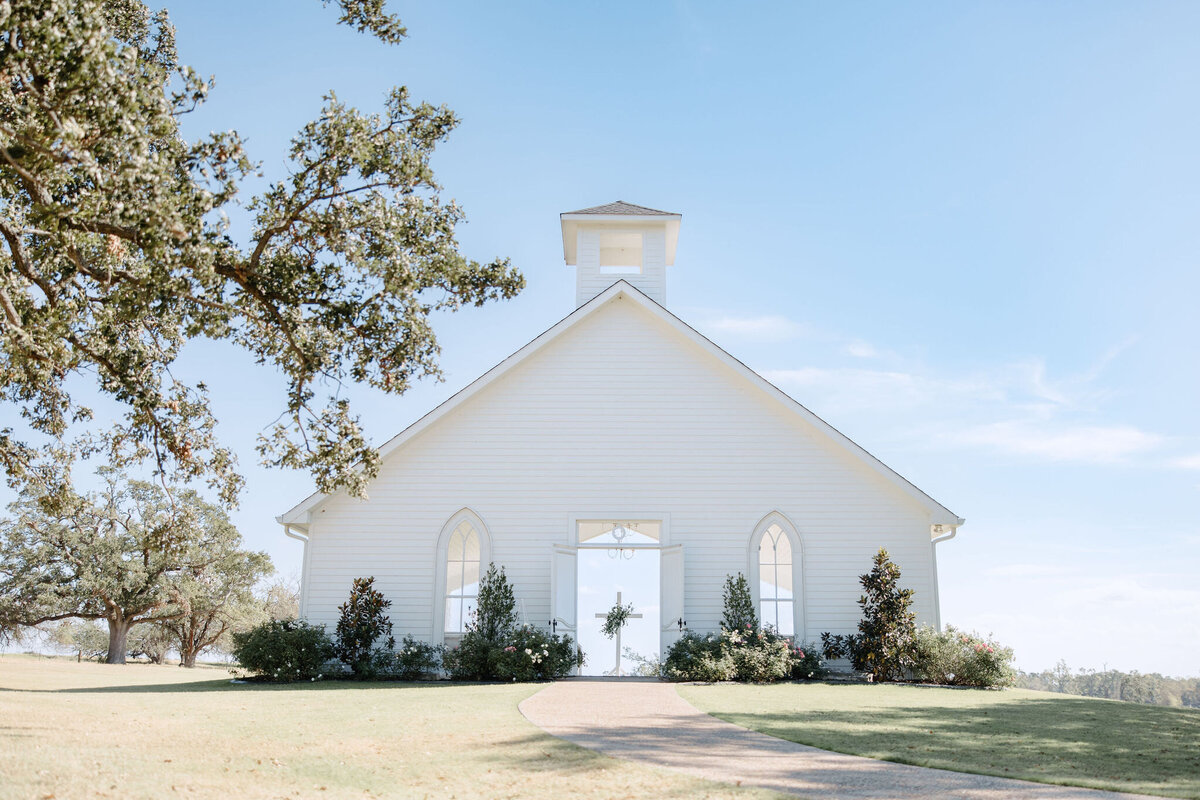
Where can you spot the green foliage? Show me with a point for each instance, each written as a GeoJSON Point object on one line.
{"type": "Point", "coordinates": [493, 647]}
{"type": "Point", "coordinates": [884, 646]}
{"type": "Point", "coordinates": [214, 599]}
{"type": "Point", "coordinates": [129, 554]}
{"type": "Point", "coordinates": [739, 605]}
{"type": "Point", "coordinates": [955, 658]}
{"type": "Point", "coordinates": [1133, 687]}
{"type": "Point", "coordinates": [698, 657]}
{"type": "Point", "coordinates": [806, 663]}
{"type": "Point", "coordinates": [363, 622]}
{"type": "Point", "coordinates": [117, 250]}
{"type": "Point", "coordinates": [84, 638]}
{"type": "Point", "coordinates": [284, 651]}
{"type": "Point", "coordinates": [532, 655]}
{"type": "Point", "coordinates": [757, 656]}
{"type": "Point", "coordinates": [414, 660]}
{"type": "Point", "coordinates": [617, 618]}
{"type": "Point", "coordinates": [474, 658]}
{"type": "Point", "coordinates": [495, 614]}
{"type": "Point", "coordinates": [524, 654]}
{"type": "Point", "coordinates": [152, 641]}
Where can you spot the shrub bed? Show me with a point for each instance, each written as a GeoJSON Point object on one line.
{"type": "Point", "coordinates": [284, 650]}
{"type": "Point", "coordinates": [955, 658]}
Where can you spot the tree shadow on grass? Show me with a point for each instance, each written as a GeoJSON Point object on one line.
{"type": "Point", "coordinates": [540, 754]}
{"type": "Point", "coordinates": [1076, 741]}
{"type": "Point", "coordinates": [229, 685]}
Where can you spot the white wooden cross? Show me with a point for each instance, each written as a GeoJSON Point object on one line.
{"type": "Point", "coordinates": [617, 669]}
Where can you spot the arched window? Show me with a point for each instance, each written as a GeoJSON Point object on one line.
{"type": "Point", "coordinates": [775, 597]}
{"type": "Point", "coordinates": [462, 552]}
{"type": "Point", "coordinates": [775, 573]}
{"type": "Point", "coordinates": [462, 576]}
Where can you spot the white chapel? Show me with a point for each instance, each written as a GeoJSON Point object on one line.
{"type": "Point", "coordinates": [700, 465]}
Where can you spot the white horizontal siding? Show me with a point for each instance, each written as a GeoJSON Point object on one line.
{"type": "Point", "coordinates": [620, 414]}
{"type": "Point", "coordinates": [651, 281]}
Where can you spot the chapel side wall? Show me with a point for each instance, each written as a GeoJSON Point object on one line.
{"type": "Point", "coordinates": [620, 415]}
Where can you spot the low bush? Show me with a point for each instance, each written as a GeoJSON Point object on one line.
{"type": "Point", "coordinates": [284, 650]}
{"type": "Point", "coordinates": [752, 656]}
{"type": "Point", "coordinates": [525, 654]}
{"type": "Point", "coordinates": [474, 658]}
{"type": "Point", "coordinates": [414, 660]}
{"type": "Point", "coordinates": [955, 658]}
{"type": "Point", "coordinates": [743, 651]}
{"type": "Point", "coordinates": [698, 657]}
{"type": "Point", "coordinates": [758, 656]}
{"type": "Point", "coordinates": [532, 655]}
{"type": "Point", "coordinates": [806, 663]}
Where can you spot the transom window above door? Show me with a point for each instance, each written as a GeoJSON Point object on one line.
{"type": "Point", "coordinates": [619, 533]}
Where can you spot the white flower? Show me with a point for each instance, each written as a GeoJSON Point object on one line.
{"type": "Point", "coordinates": [528, 652]}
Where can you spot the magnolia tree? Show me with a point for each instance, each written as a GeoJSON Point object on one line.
{"type": "Point", "coordinates": [115, 250]}
{"type": "Point", "coordinates": [129, 554]}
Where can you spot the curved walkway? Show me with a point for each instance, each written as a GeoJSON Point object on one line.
{"type": "Point", "coordinates": [648, 721]}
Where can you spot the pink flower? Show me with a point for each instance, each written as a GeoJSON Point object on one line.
{"type": "Point", "coordinates": [799, 652]}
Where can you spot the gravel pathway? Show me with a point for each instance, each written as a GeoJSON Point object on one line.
{"type": "Point", "coordinates": [648, 721]}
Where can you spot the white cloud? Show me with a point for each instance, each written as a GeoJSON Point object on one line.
{"type": "Point", "coordinates": [893, 390]}
{"type": "Point", "coordinates": [768, 328]}
{"type": "Point", "coordinates": [861, 349]}
{"type": "Point", "coordinates": [1026, 571]}
{"type": "Point", "coordinates": [1187, 462]}
{"type": "Point", "coordinates": [1105, 444]}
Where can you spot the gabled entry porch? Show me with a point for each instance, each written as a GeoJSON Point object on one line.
{"type": "Point", "coordinates": [607, 554]}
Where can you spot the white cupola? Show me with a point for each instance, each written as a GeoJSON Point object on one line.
{"type": "Point", "coordinates": [619, 242]}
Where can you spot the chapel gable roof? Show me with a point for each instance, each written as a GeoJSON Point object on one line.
{"type": "Point", "coordinates": [939, 514]}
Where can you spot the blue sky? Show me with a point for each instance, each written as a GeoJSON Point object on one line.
{"type": "Point", "coordinates": [964, 234]}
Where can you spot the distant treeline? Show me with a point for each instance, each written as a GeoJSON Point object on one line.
{"type": "Point", "coordinates": [1134, 687]}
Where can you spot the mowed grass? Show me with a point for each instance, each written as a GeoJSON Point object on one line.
{"type": "Point", "coordinates": [71, 730]}
{"type": "Point", "coordinates": [1015, 733]}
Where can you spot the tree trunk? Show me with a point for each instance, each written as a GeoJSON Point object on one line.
{"type": "Point", "coordinates": [187, 658]}
{"type": "Point", "coordinates": [118, 635]}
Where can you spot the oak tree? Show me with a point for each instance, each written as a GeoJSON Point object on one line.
{"type": "Point", "coordinates": [129, 554]}
{"type": "Point", "coordinates": [115, 249]}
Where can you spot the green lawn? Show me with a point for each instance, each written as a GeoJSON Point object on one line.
{"type": "Point", "coordinates": [72, 730]}
{"type": "Point", "coordinates": [1015, 733]}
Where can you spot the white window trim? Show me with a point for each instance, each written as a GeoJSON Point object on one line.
{"type": "Point", "coordinates": [799, 585]}
{"type": "Point", "coordinates": [654, 516]}
{"type": "Point", "coordinates": [443, 547]}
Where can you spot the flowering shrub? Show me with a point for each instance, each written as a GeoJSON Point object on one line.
{"type": "Point", "coordinates": [413, 660]}
{"type": "Point", "coordinates": [284, 650]}
{"type": "Point", "coordinates": [961, 659]}
{"type": "Point", "coordinates": [525, 654]}
{"type": "Point", "coordinates": [758, 656]}
{"type": "Point", "coordinates": [755, 656]}
{"type": "Point", "coordinates": [806, 663]}
{"type": "Point", "coordinates": [532, 655]}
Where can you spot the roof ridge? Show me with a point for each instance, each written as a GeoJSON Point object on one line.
{"type": "Point", "coordinates": [623, 207]}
